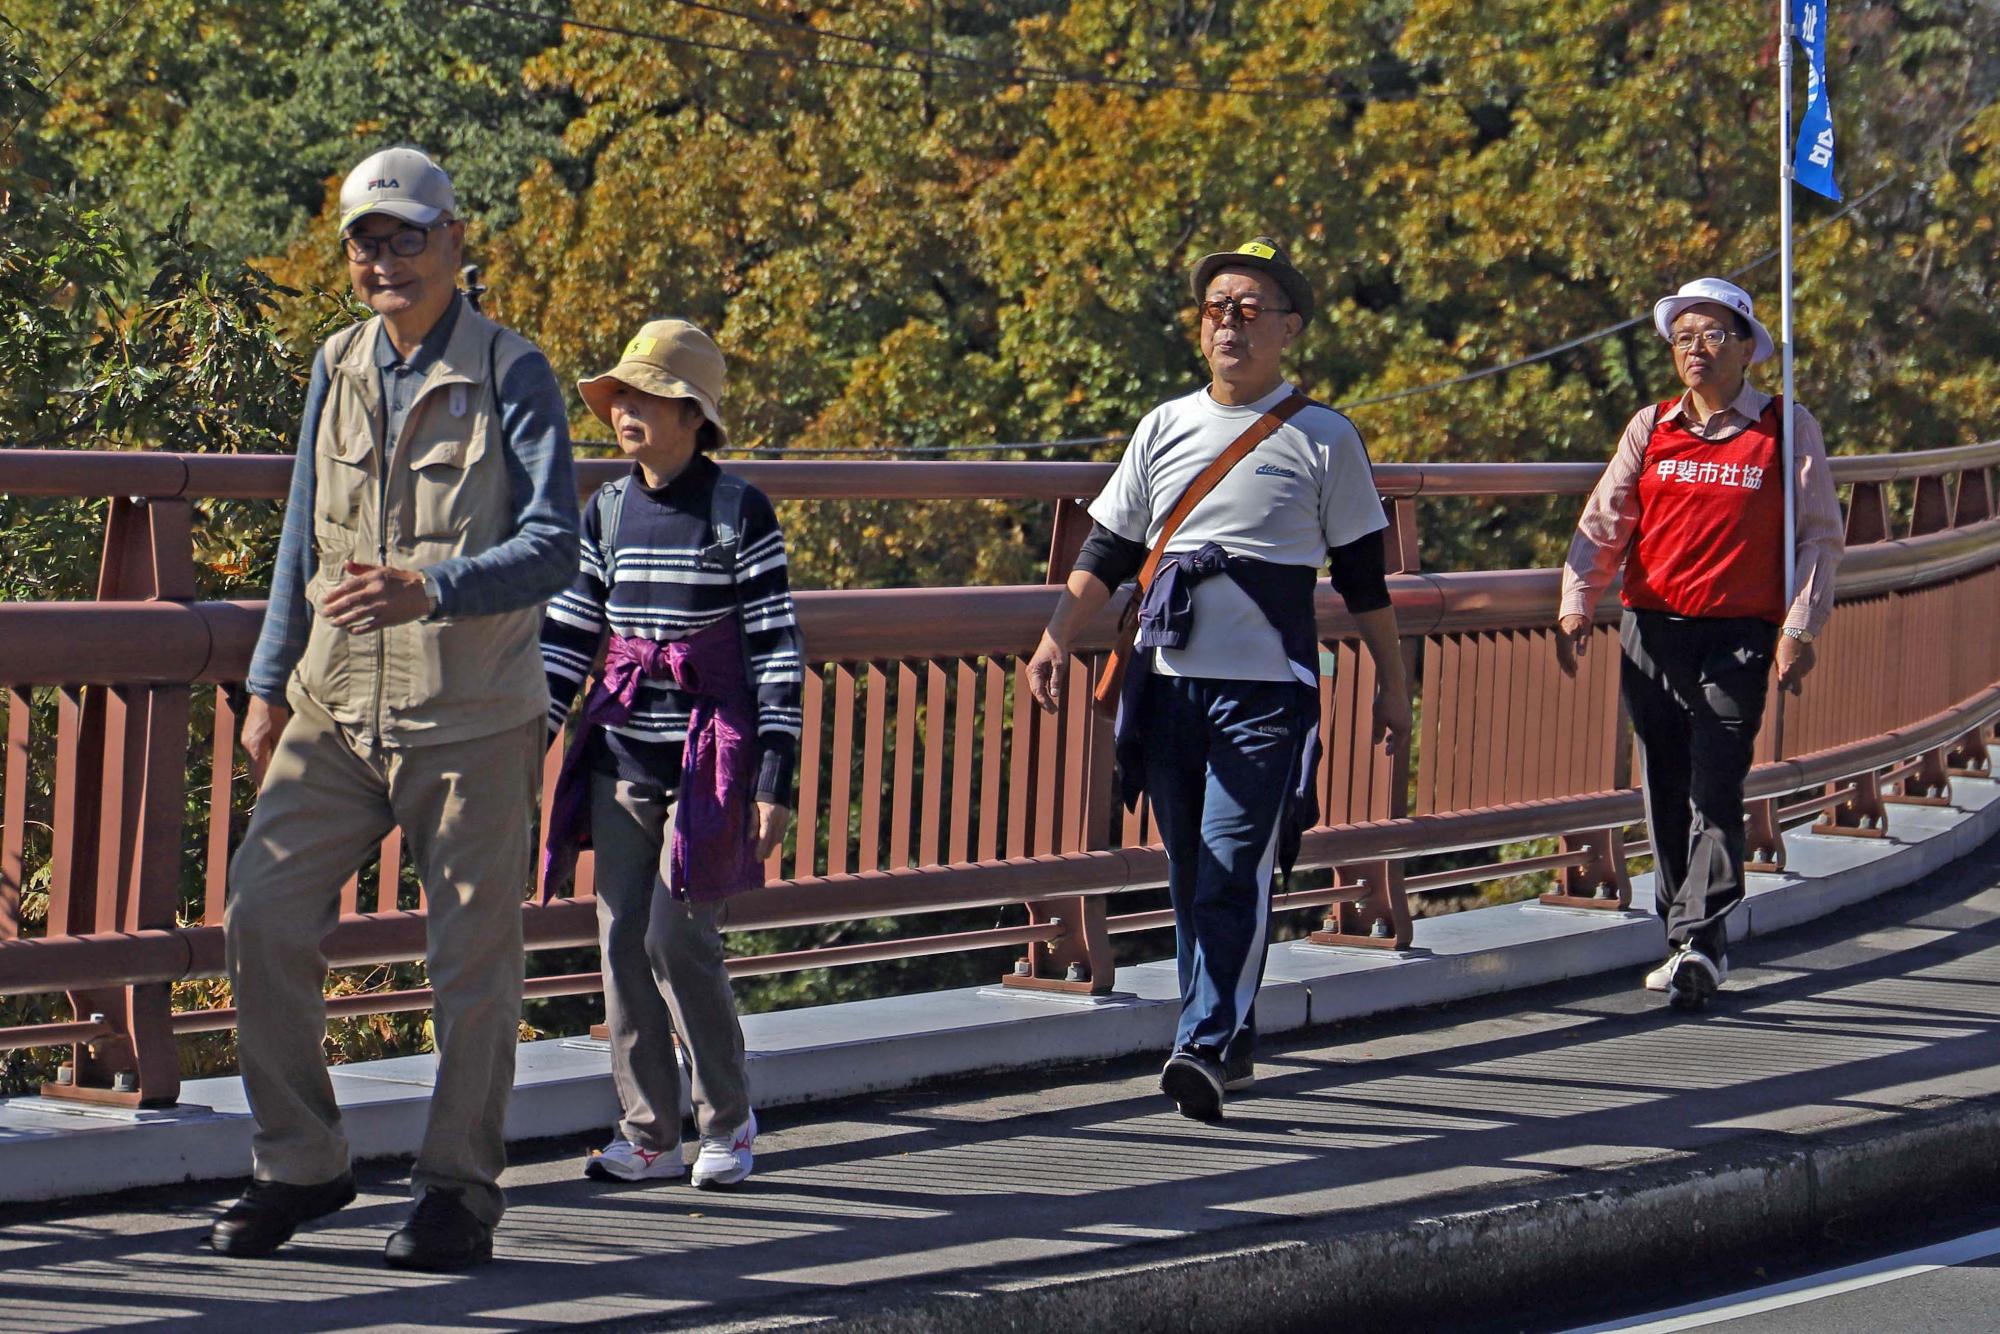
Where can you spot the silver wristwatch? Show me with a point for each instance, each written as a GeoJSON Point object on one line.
{"type": "Point", "coordinates": [1803, 636]}
{"type": "Point", "coordinates": [431, 592]}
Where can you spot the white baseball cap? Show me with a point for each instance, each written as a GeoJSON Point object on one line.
{"type": "Point", "coordinates": [401, 182]}
{"type": "Point", "coordinates": [1714, 291]}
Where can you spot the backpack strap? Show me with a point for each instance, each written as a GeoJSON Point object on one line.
{"type": "Point", "coordinates": [610, 508]}
{"type": "Point", "coordinates": [725, 519]}
{"type": "Point", "coordinates": [725, 515]}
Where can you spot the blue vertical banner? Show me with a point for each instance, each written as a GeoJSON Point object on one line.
{"type": "Point", "coordinates": [1812, 158]}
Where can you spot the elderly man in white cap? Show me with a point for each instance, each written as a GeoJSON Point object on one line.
{"type": "Point", "coordinates": [396, 684]}
{"type": "Point", "coordinates": [1692, 508]}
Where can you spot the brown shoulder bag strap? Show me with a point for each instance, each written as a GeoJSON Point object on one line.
{"type": "Point", "coordinates": [1105, 693]}
{"type": "Point", "coordinates": [1197, 491]}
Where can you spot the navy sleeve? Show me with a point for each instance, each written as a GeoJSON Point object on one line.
{"type": "Point", "coordinates": [574, 626]}
{"type": "Point", "coordinates": [1359, 572]}
{"type": "Point", "coordinates": [776, 648]}
{"type": "Point", "coordinates": [1109, 557]}
{"type": "Point", "coordinates": [540, 559]}
{"type": "Point", "coordinates": [281, 641]}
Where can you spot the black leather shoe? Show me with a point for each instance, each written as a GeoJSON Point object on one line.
{"type": "Point", "coordinates": [1239, 1072]}
{"type": "Point", "coordinates": [441, 1236]}
{"type": "Point", "coordinates": [270, 1211]}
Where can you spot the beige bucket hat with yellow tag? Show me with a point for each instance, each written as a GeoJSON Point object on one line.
{"type": "Point", "coordinates": [669, 359]}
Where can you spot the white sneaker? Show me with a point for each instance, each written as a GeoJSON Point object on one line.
{"type": "Point", "coordinates": [1661, 978]}
{"type": "Point", "coordinates": [622, 1160]}
{"type": "Point", "coordinates": [726, 1160]}
{"type": "Point", "coordinates": [1695, 978]}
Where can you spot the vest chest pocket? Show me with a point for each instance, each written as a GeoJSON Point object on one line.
{"type": "Point", "coordinates": [346, 472]}
{"type": "Point", "coordinates": [447, 488]}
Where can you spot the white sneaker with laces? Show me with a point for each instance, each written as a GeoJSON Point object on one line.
{"type": "Point", "coordinates": [1695, 978]}
{"type": "Point", "coordinates": [622, 1160]}
{"type": "Point", "coordinates": [726, 1160]}
{"type": "Point", "coordinates": [1661, 978]}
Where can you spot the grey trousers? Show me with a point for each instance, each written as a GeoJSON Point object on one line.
{"type": "Point", "coordinates": [663, 973]}
{"type": "Point", "coordinates": [328, 799]}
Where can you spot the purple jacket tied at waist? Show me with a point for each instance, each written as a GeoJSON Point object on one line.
{"type": "Point", "coordinates": [713, 854]}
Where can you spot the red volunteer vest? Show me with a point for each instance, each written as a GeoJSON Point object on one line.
{"type": "Point", "coordinates": [1711, 533]}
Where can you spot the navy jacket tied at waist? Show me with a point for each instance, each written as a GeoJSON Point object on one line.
{"type": "Point", "coordinates": [1284, 593]}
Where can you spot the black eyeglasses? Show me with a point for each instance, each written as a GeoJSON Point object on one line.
{"type": "Point", "coordinates": [408, 242]}
{"type": "Point", "coordinates": [1218, 308]}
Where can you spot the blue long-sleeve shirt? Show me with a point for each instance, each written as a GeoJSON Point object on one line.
{"type": "Point", "coordinates": [533, 565]}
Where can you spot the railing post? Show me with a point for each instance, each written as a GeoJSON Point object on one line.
{"type": "Point", "coordinates": [1601, 882]}
{"type": "Point", "coordinates": [1867, 515]}
{"type": "Point", "coordinates": [1929, 784]}
{"type": "Point", "coordinates": [122, 776]}
{"type": "Point", "coordinates": [1763, 836]}
{"type": "Point", "coordinates": [1973, 500]}
{"type": "Point", "coordinates": [1375, 913]}
{"type": "Point", "coordinates": [1072, 526]}
{"type": "Point", "coordinates": [1861, 814]}
{"type": "Point", "coordinates": [1968, 757]}
{"type": "Point", "coordinates": [1931, 511]}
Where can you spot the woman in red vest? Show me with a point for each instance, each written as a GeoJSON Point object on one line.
{"type": "Point", "coordinates": [1692, 508]}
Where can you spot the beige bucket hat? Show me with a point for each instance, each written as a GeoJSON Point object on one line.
{"type": "Point", "coordinates": [669, 359]}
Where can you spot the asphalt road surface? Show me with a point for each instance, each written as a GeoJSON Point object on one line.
{"type": "Point", "coordinates": [1942, 1278]}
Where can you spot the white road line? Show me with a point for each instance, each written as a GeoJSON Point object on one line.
{"type": "Point", "coordinates": [1811, 1288]}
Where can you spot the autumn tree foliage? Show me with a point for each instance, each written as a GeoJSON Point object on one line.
{"type": "Point", "coordinates": [970, 223]}
{"type": "Point", "coordinates": [924, 225]}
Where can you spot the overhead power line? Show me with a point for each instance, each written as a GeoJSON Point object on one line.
{"type": "Point", "coordinates": [1051, 73]}
{"type": "Point", "coordinates": [969, 69]}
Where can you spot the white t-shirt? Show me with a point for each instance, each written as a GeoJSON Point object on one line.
{"type": "Point", "coordinates": [1305, 488]}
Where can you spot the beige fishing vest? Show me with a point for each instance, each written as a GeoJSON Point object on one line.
{"type": "Point", "coordinates": [447, 494]}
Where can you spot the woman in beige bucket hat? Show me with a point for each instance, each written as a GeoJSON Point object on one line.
{"type": "Point", "coordinates": [680, 775]}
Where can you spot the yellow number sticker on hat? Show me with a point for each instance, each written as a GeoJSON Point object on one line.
{"type": "Point", "coordinates": [642, 346]}
{"type": "Point", "coordinates": [1259, 249]}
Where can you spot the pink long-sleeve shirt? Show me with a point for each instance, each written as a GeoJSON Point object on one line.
{"type": "Point", "coordinates": [1611, 515]}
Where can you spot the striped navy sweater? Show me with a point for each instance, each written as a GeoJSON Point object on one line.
{"type": "Point", "coordinates": [665, 591]}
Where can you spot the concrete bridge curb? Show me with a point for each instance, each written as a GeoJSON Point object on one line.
{"type": "Point", "coordinates": [563, 1087]}
{"type": "Point", "coordinates": [1387, 1271]}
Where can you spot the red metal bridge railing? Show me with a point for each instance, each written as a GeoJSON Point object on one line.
{"type": "Point", "coordinates": [928, 783]}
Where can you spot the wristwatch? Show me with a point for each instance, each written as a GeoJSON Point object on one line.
{"type": "Point", "coordinates": [431, 592]}
{"type": "Point", "coordinates": [1803, 636]}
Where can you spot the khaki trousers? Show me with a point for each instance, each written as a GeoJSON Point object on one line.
{"type": "Point", "coordinates": [466, 809]}
{"type": "Point", "coordinates": [663, 973]}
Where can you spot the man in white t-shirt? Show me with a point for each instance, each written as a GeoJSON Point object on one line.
{"type": "Point", "coordinates": [1218, 722]}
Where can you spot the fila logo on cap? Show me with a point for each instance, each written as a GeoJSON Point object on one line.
{"type": "Point", "coordinates": [391, 184]}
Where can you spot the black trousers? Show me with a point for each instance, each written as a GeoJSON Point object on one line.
{"type": "Point", "coordinates": [1695, 690]}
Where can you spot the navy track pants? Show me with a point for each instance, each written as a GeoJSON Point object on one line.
{"type": "Point", "coordinates": [1221, 761]}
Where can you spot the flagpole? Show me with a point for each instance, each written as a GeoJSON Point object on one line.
{"type": "Point", "coordinates": [1785, 323]}
{"type": "Point", "coordinates": [1785, 288]}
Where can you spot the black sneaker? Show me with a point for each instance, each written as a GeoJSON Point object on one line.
{"type": "Point", "coordinates": [1195, 1084]}
{"type": "Point", "coordinates": [270, 1211]}
{"type": "Point", "coordinates": [1239, 1072]}
{"type": "Point", "coordinates": [441, 1236]}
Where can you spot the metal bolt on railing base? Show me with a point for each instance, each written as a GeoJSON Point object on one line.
{"type": "Point", "coordinates": [125, 1081]}
{"type": "Point", "coordinates": [1022, 968]}
{"type": "Point", "coordinates": [65, 1073]}
{"type": "Point", "coordinates": [1076, 973]}
{"type": "Point", "coordinates": [1380, 929]}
